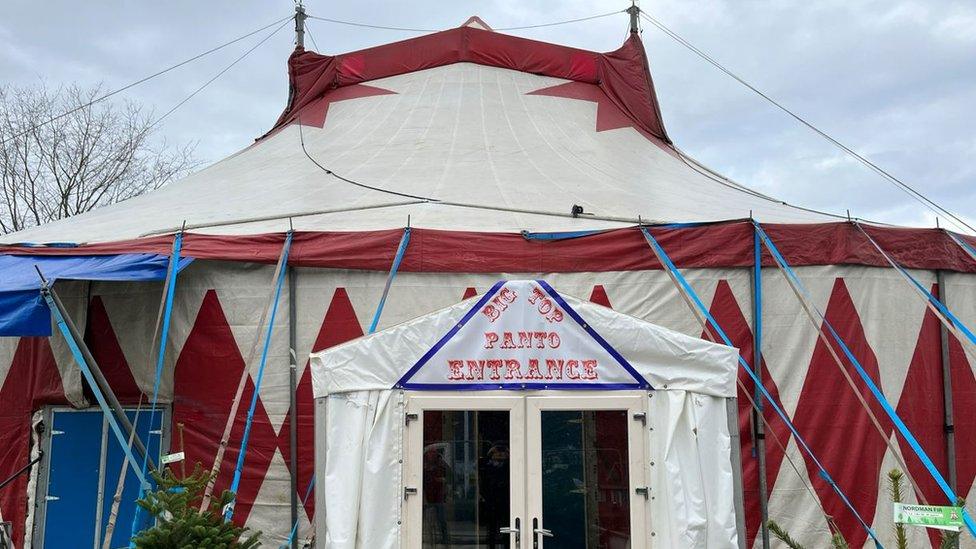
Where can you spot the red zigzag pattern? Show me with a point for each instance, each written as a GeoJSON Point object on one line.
{"type": "Point", "coordinates": [828, 415]}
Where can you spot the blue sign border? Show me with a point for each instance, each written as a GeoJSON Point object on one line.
{"type": "Point", "coordinates": [639, 381]}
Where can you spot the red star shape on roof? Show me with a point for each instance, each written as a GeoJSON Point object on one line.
{"type": "Point", "coordinates": [315, 112]}
{"type": "Point", "coordinates": [608, 115]}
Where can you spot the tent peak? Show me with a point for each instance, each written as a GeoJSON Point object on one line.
{"type": "Point", "coordinates": [622, 75]}
{"type": "Point", "coordinates": [477, 23]}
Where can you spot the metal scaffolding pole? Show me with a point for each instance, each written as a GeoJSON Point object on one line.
{"type": "Point", "coordinates": [759, 429]}
{"type": "Point", "coordinates": [949, 422]}
{"type": "Point", "coordinates": [732, 413]}
{"type": "Point", "coordinates": [293, 397]}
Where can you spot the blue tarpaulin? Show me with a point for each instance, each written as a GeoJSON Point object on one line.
{"type": "Point", "coordinates": [23, 311]}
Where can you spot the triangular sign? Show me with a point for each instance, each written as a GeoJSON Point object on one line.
{"type": "Point", "coordinates": [522, 335]}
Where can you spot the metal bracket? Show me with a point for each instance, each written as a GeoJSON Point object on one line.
{"type": "Point", "coordinates": [409, 491]}
{"type": "Point", "coordinates": [642, 491]}
{"type": "Point", "coordinates": [411, 417]}
{"type": "Point", "coordinates": [641, 417]}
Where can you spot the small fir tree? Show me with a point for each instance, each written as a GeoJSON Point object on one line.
{"type": "Point", "coordinates": [895, 478]}
{"type": "Point", "coordinates": [837, 541]}
{"type": "Point", "coordinates": [179, 522]}
{"type": "Point", "coordinates": [781, 534]}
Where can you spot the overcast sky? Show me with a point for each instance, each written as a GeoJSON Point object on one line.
{"type": "Point", "coordinates": [895, 79]}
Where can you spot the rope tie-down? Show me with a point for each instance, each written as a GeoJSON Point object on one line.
{"type": "Point", "coordinates": [169, 293]}
{"type": "Point", "coordinates": [242, 455]}
{"type": "Point", "coordinates": [705, 318]}
{"type": "Point", "coordinates": [903, 429]}
{"type": "Point", "coordinates": [394, 268]}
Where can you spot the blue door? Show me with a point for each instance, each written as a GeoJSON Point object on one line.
{"type": "Point", "coordinates": [85, 461]}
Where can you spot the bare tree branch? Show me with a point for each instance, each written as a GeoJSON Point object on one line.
{"type": "Point", "coordinates": [94, 156]}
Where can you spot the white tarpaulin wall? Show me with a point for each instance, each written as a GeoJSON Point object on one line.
{"type": "Point", "coordinates": [359, 420]}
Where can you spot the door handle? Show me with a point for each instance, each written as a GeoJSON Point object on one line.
{"type": "Point", "coordinates": [517, 530]}
{"type": "Point", "coordinates": [539, 532]}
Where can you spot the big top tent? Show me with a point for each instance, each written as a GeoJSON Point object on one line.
{"type": "Point", "coordinates": [403, 179]}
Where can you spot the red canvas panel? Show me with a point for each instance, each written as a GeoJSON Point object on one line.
{"type": "Point", "coordinates": [728, 244]}
{"type": "Point", "coordinates": [837, 427]}
{"type": "Point", "coordinates": [105, 348]}
{"type": "Point", "coordinates": [32, 381]}
{"type": "Point", "coordinates": [921, 408]}
{"type": "Point", "coordinates": [205, 380]}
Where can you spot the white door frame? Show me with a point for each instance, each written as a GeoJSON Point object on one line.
{"type": "Point", "coordinates": [413, 483]}
{"type": "Point", "coordinates": [525, 446]}
{"type": "Point", "coordinates": [634, 402]}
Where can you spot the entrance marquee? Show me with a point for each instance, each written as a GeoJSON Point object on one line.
{"type": "Point", "coordinates": [525, 418]}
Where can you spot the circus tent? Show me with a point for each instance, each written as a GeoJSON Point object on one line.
{"type": "Point", "coordinates": [479, 156]}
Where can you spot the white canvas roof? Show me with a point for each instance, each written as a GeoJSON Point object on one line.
{"type": "Point", "coordinates": [489, 146]}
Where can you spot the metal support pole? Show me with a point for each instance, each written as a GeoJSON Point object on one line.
{"type": "Point", "coordinates": [634, 12]}
{"type": "Point", "coordinates": [293, 396]}
{"type": "Point", "coordinates": [100, 380]}
{"type": "Point", "coordinates": [949, 425]}
{"type": "Point", "coordinates": [759, 428]}
{"type": "Point", "coordinates": [300, 25]}
{"type": "Point", "coordinates": [732, 411]}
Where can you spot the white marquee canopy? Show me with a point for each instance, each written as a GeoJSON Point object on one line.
{"type": "Point", "coordinates": [359, 394]}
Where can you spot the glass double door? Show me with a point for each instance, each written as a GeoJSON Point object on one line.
{"type": "Point", "coordinates": [491, 471]}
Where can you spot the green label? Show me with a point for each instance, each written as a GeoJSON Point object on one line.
{"type": "Point", "coordinates": [931, 516]}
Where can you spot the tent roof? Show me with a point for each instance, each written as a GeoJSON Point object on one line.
{"type": "Point", "coordinates": [465, 129]}
{"type": "Point", "coordinates": [664, 358]}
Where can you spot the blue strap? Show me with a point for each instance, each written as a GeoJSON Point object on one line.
{"type": "Point", "coordinates": [688, 225]}
{"type": "Point", "coordinates": [878, 395]}
{"type": "Point", "coordinates": [294, 527]}
{"type": "Point", "coordinates": [238, 469]}
{"type": "Point", "coordinates": [401, 250]}
{"type": "Point", "coordinates": [956, 322]}
{"type": "Point", "coordinates": [102, 403]}
{"type": "Point", "coordinates": [174, 262]}
{"type": "Point", "coordinates": [564, 235]}
{"type": "Point", "coordinates": [669, 265]}
{"type": "Point", "coordinates": [44, 245]}
{"type": "Point", "coordinates": [964, 245]}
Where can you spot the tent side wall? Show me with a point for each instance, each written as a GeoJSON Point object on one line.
{"type": "Point", "coordinates": [218, 306]}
